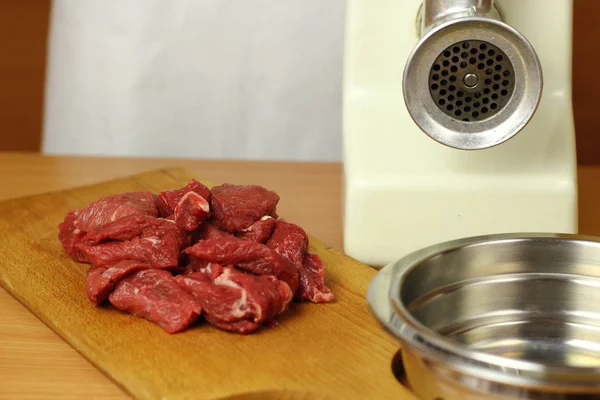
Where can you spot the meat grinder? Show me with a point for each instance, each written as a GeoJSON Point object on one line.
{"type": "Point", "coordinates": [457, 122]}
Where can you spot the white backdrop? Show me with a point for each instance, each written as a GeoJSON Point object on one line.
{"type": "Point", "coordinates": [254, 79]}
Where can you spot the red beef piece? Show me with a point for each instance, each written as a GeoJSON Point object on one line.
{"type": "Point", "coordinates": [155, 296]}
{"type": "Point", "coordinates": [204, 232]}
{"type": "Point", "coordinates": [126, 228]}
{"type": "Point", "coordinates": [152, 240]}
{"type": "Point", "coordinates": [228, 303]}
{"type": "Point", "coordinates": [101, 281]}
{"type": "Point", "coordinates": [236, 207]}
{"type": "Point", "coordinates": [312, 286]}
{"type": "Point", "coordinates": [237, 301]}
{"type": "Point", "coordinates": [291, 241]}
{"type": "Point", "coordinates": [212, 270]}
{"type": "Point", "coordinates": [269, 295]}
{"type": "Point", "coordinates": [70, 236]}
{"type": "Point", "coordinates": [196, 265]}
{"type": "Point", "coordinates": [191, 210]}
{"type": "Point", "coordinates": [260, 231]}
{"type": "Point", "coordinates": [219, 301]}
{"type": "Point", "coordinates": [208, 231]}
{"type": "Point", "coordinates": [242, 326]}
{"type": "Point", "coordinates": [248, 255]}
{"type": "Point", "coordinates": [111, 208]}
{"type": "Point", "coordinates": [167, 200]}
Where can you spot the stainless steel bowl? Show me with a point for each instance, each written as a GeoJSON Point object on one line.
{"type": "Point", "coordinates": [496, 317]}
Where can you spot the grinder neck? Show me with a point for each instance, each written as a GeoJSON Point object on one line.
{"type": "Point", "coordinates": [435, 12]}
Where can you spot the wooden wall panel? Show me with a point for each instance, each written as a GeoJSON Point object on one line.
{"type": "Point", "coordinates": [586, 80]}
{"type": "Point", "coordinates": [23, 35]}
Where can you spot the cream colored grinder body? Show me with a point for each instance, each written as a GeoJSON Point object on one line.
{"type": "Point", "coordinates": [404, 191]}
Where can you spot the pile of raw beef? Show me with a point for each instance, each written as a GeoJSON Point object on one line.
{"type": "Point", "coordinates": [169, 258]}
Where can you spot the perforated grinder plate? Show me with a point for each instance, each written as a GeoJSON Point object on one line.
{"type": "Point", "coordinates": [471, 80]}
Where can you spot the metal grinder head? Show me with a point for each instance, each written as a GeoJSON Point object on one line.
{"type": "Point", "coordinates": [472, 82]}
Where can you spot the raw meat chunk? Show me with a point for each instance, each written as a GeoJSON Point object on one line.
{"type": "Point", "coordinates": [291, 241]}
{"type": "Point", "coordinates": [168, 199]}
{"type": "Point", "coordinates": [237, 301]}
{"type": "Point", "coordinates": [148, 250]}
{"type": "Point", "coordinates": [260, 231]}
{"type": "Point", "coordinates": [127, 228]}
{"type": "Point", "coordinates": [248, 255]}
{"type": "Point", "coordinates": [111, 208]}
{"type": "Point", "coordinates": [236, 207]}
{"type": "Point", "coordinates": [208, 231]}
{"type": "Point", "coordinates": [101, 281]}
{"type": "Point", "coordinates": [227, 303]}
{"type": "Point", "coordinates": [242, 326]}
{"type": "Point", "coordinates": [69, 236]}
{"type": "Point", "coordinates": [155, 296]}
{"type": "Point", "coordinates": [153, 240]}
{"type": "Point", "coordinates": [196, 265]}
{"type": "Point", "coordinates": [312, 286]}
{"type": "Point", "coordinates": [191, 210]}
{"type": "Point", "coordinates": [269, 295]}
{"type": "Point", "coordinates": [212, 270]}
{"type": "Point", "coordinates": [204, 232]}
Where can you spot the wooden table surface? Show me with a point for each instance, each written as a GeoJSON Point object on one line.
{"type": "Point", "coordinates": [36, 364]}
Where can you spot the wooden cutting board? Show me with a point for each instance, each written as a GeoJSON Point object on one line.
{"type": "Point", "coordinates": [319, 351]}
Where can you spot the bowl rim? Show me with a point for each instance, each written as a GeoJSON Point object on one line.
{"type": "Point", "coordinates": [439, 348]}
